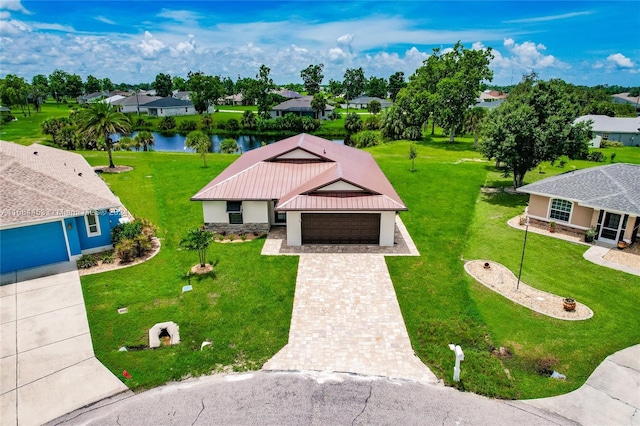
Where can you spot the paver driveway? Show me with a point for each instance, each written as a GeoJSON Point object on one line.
{"type": "Point", "coordinates": [346, 318]}
{"type": "Point", "coordinates": [47, 363]}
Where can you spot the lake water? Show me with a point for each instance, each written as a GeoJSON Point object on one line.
{"type": "Point", "coordinates": [175, 143]}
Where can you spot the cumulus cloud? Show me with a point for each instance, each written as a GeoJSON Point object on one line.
{"type": "Point", "coordinates": [526, 56]}
{"type": "Point", "coordinates": [620, 61]}
{"type": "Point", "coordinates": [150, 46]}
{"type": "Point", "coordinates": [344, 42]}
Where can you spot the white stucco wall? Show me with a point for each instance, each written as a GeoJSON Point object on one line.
{"type": "Point", "coordinates": [255, 211]}
{"type": "Point", "coordinates": [294, 229]}
{"type": "Point", "coordinates": [387, 228]}
{"type": "Point", "coordinates": [215, 212]}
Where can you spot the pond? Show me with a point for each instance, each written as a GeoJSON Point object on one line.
{"type": "Point", "coordinates": [175, 143]}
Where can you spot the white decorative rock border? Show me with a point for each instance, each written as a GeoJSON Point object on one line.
{"type": "Point", "coordinates": [501, 280]}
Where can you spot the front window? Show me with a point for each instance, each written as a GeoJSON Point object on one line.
{"type": "Point", "coordinates": [560, 210]}
{"type": "Point", "coordinates": [93, 225]}
{"type": "Point", "coordinates": [234, 209]}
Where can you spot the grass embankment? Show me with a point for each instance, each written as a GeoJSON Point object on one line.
{"type": "Point", "coordinates": [451, 222]}
{"type": "Point", "coordinates": [244, 308]}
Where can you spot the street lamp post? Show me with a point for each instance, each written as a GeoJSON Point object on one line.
{"type": "Point", "coordinates": [524, 245]}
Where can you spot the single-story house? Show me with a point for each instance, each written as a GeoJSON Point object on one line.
{"type": "Point", "coordinates": [4, 111]}
{"type": "Point", "coordinates": [626, 98]}
{"type": "Point", "coordinates": [323, 192]}
{"type": "Point", "coordinates": [112, 99]}
{"type": "Point", "coordinates": [134, 103]}
{"type": "Point", "coordinates": [362, 102]}
{"type": "Point", "coordinates": [620, 129]}
{"type": "Point", "coordinates": [605, 197]}
{"type": "Point", "coordinates": [236, 99]}
{"type": "Point", "coordinates": [165, 107]}
{"type": "Point", "coordinates": [491, 96]}
{"type": "Point", "coordinates": [286, 93]}
{"type": "Point", "coordinates": [92, 97]}
{"type": "Point", "coordinates": [55, 207]}
{"type": "Point", "coordinates": [301, 107]}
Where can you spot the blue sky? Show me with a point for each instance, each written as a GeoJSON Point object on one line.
{"type": "Point", "coordinates": [132, 41]}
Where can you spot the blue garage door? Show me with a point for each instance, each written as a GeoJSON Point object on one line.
{"type": "Point", "coordinates": [31, 246]}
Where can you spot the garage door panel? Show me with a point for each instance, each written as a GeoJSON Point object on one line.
{"type": "Point", "coordinates": [30, 246]}
{"type": "Point", "coordinates": [340, 228]}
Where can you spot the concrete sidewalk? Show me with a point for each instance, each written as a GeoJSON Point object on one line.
{"type": "Point", "coordinates": [611, 395]}
{"type": "Point", "coordinates": [47, 364]}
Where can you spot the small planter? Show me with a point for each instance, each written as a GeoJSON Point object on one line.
{"type": "Point", "coordinates": [569, 304]}
{"type": "Point", "coordinates": [622, 245]}
{"type": "Point", "coordinates": [487, 266]}
{"type": "Point", "coordinates": [552, 227]}
{"type": "Point", "coordinates": [588, 239]}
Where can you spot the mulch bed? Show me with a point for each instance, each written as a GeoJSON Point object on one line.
{"type": "Point", "coordinates": [104, 267]}
{"type": "Point", "coordinates": [116, 169]}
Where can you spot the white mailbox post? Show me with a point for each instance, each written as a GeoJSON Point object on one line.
{"type": "Point", "coordinates": [459, 357]}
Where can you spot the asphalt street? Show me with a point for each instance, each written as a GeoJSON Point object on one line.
{"type": "Point", "coordinates": [279, 398]}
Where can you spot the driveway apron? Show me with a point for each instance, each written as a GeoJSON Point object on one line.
{"type": "Point", "coordinates": [346, 318]}
{"type": "Point", "coordinates": [47, 363]}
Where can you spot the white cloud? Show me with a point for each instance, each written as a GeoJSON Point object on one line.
{"type": "Point", "coordinates": [105, 20]}
{"type": "Point", "coordinates": [548, 18]}
{"type": "Point", "coordinates": [150, 46]}
{"type": "Point", "coordinates": [620, 61]}
{"type": "Point", "coordinates": [53, 27]}
{"type": "Point", "coordinates": [14, 6]}
{"type": "Point", "coordinates": [525, 56]}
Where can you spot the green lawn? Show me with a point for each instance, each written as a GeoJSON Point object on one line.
{"type": "Point", "coordinates": [26, 130]}
{"type": "Point", "coordinates": [245, 308]}
{"type": "Point", "coordinates": [451, 222]}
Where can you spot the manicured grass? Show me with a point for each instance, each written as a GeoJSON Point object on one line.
{"type": "Point", "coordinates": [26, 130]}
{"type": "Point", "coordinates": [244, 308]}
{"type": "Point", "coordinates": [451, 222]}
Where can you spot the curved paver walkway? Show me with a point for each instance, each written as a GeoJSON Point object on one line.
{"type": "Point", "coordinates": [346, 318]}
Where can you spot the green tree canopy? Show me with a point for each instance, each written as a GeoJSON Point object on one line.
{"type": "Point", "coordinates": [318, 104]}
{"type": "Point", "coordinates": [163, 85]}
{"type": "Point", "coordinates": [312, 77]}
{"type": "Point", "coordinates": [374, 107]}
{"type": "Point", "coordinates": [376, 87]}
{"type": "Point", "coordinates": [93, 84]}
{"type": "Point", "coordinates": [264, 86]}
{"type": "Point", "coordinates": [198, 240]}
{"type": "Point", "coordinates": [335, 88]}
{"type": "Point", "coordinates": [205, 90]}
{"type": "Point", "coordinates": [396, 83]}
{"type": "Point", "coordinates": [533, 125]}
{"type": "Point", "coordinates": [354, 83]}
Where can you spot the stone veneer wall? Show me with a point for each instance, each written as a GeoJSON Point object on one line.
{"type": "Point", "coordinates": [244, 228]}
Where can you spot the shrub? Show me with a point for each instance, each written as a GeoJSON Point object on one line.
{"type": "Point", "coordinates": [372, 122]}
{"type": "Point", "coordinates": [126, 250]}
{"type": "Point", "coordinates": [142, 244]}
{"type": "Point", "coordinates": [334, 115]}
{"type": "Point", "coordinates": [167, 123]}
{"type": "Point", "coordinates": [188, 125]}
{"type": "Point", "coordinates": [596, 156]}
{"type": "Point", "coordinates": [86, 261]}
{"type": "Point", "coordinates": [229, 146]}
{"type": "Point", "coordinates": [131, 230]}
{"type": "Point", "coordinates": [366, 139]}
{"type": "Point", "coordinates": [611, 144]}
{"type": "Point", "coordinates": [232, 124]}
{"type": "Point", "coordinates": [108, 257]}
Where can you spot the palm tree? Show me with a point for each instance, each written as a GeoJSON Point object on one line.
{"type": "Point", "coordinates": [145, 140]}
{"type": "Point", "coordinates": [206, 120]}
{"type": "Point", "coordinates": [101, 120]}
{"type": "Point", "coordinates": [318, 104]}
{"type": "Point", "coordinates": [249, 120]}
{"type": "Point", "coordinates": [199, 141]}
{"type": "Point", "coordinates": [473, 121]}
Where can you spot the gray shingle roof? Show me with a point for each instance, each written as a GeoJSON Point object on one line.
{"type": "Point", "coordinates": [614, 187]}
{"type": "Point", "coordinates": [51, 184]}
{"type": "Point", "coordinates": [298, 104]}
{"type": "Point", "coordinates": [603, 123]}
{"type": "Point", "coordinates": [168, 102]}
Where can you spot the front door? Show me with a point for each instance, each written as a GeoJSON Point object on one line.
{"type": "Point", "coordinates": [610, 229]}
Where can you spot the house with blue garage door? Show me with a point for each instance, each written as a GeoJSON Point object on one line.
{"type": "Point", "coordinates": [53, 207]}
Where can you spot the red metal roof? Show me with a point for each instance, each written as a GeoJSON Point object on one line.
{"type": "Point", "coordinates": [261, 174]}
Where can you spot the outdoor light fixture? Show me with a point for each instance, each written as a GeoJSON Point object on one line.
{"type": "Point", "coordinates": [524, 245]}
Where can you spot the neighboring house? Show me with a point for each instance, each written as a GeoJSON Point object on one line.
{"type": "Point", "coordinates": [112, 99]}
{"type": "Point", "coordinates": [5, 112]}
{"type": "Point", "coordinates": [323, 192]}
{"type": "Point", "coordinates": [624, 98]}
{"type": "Point", "coordinates": [233, 99]}
{"type": "Point", "coordinates": [164, 107]}
{"type": "Point", "coordinates": [491, 96]}
{"type": "Point", "coordinates": [301, 107]}
{"type": "Point", "coordinates": [607, 197]}
{"type": "Point", "coordinates": [620, 129]}
{"type": "Point", "coordinates": [489, 105]}
{"type": "Point", "coordinates": [135, 103]}
{"type": "Point", "coordinates": [286, 93]}
{"type": "Point", "coordinates": [54, 207]}
{"type": "Point", "coordinates": [362, 102]}
{"type": "Point", "coordinates": [92, 97]}
{"type": "Point", "coordinates": [185, 95]}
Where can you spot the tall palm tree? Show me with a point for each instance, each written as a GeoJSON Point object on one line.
{"type": "Point", "coordinates": [101, 120]}
{"type": "Point", "coordinates": [145, 140]}
{"type": "Point", "coordinates": [473, 122]}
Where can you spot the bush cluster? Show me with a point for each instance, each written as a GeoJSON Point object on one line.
{"type": "Point", "coordinates": [188, 126]}
{"type": "Point", "coordinates": [132, 239]}
{"type": "Point", "coordinates": [167, 123]}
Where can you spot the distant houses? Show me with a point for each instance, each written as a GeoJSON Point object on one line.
{"type": "Point", "coordinates": [136, 103]}
{"type": "Point", "coordinates": [625, 130]}
{"type": "Point", "coordinates": [362, 102]}
{"type": "Point", "coordinates": [170, 106]}
{"type": "Point", "coordinates": [300, 107]}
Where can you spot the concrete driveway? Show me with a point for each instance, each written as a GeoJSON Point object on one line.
{"type": "Point", "coordinates": [47, 363]}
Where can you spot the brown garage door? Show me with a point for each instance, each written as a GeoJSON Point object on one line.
{"type": "Point", "coordinates": [340, 228]}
